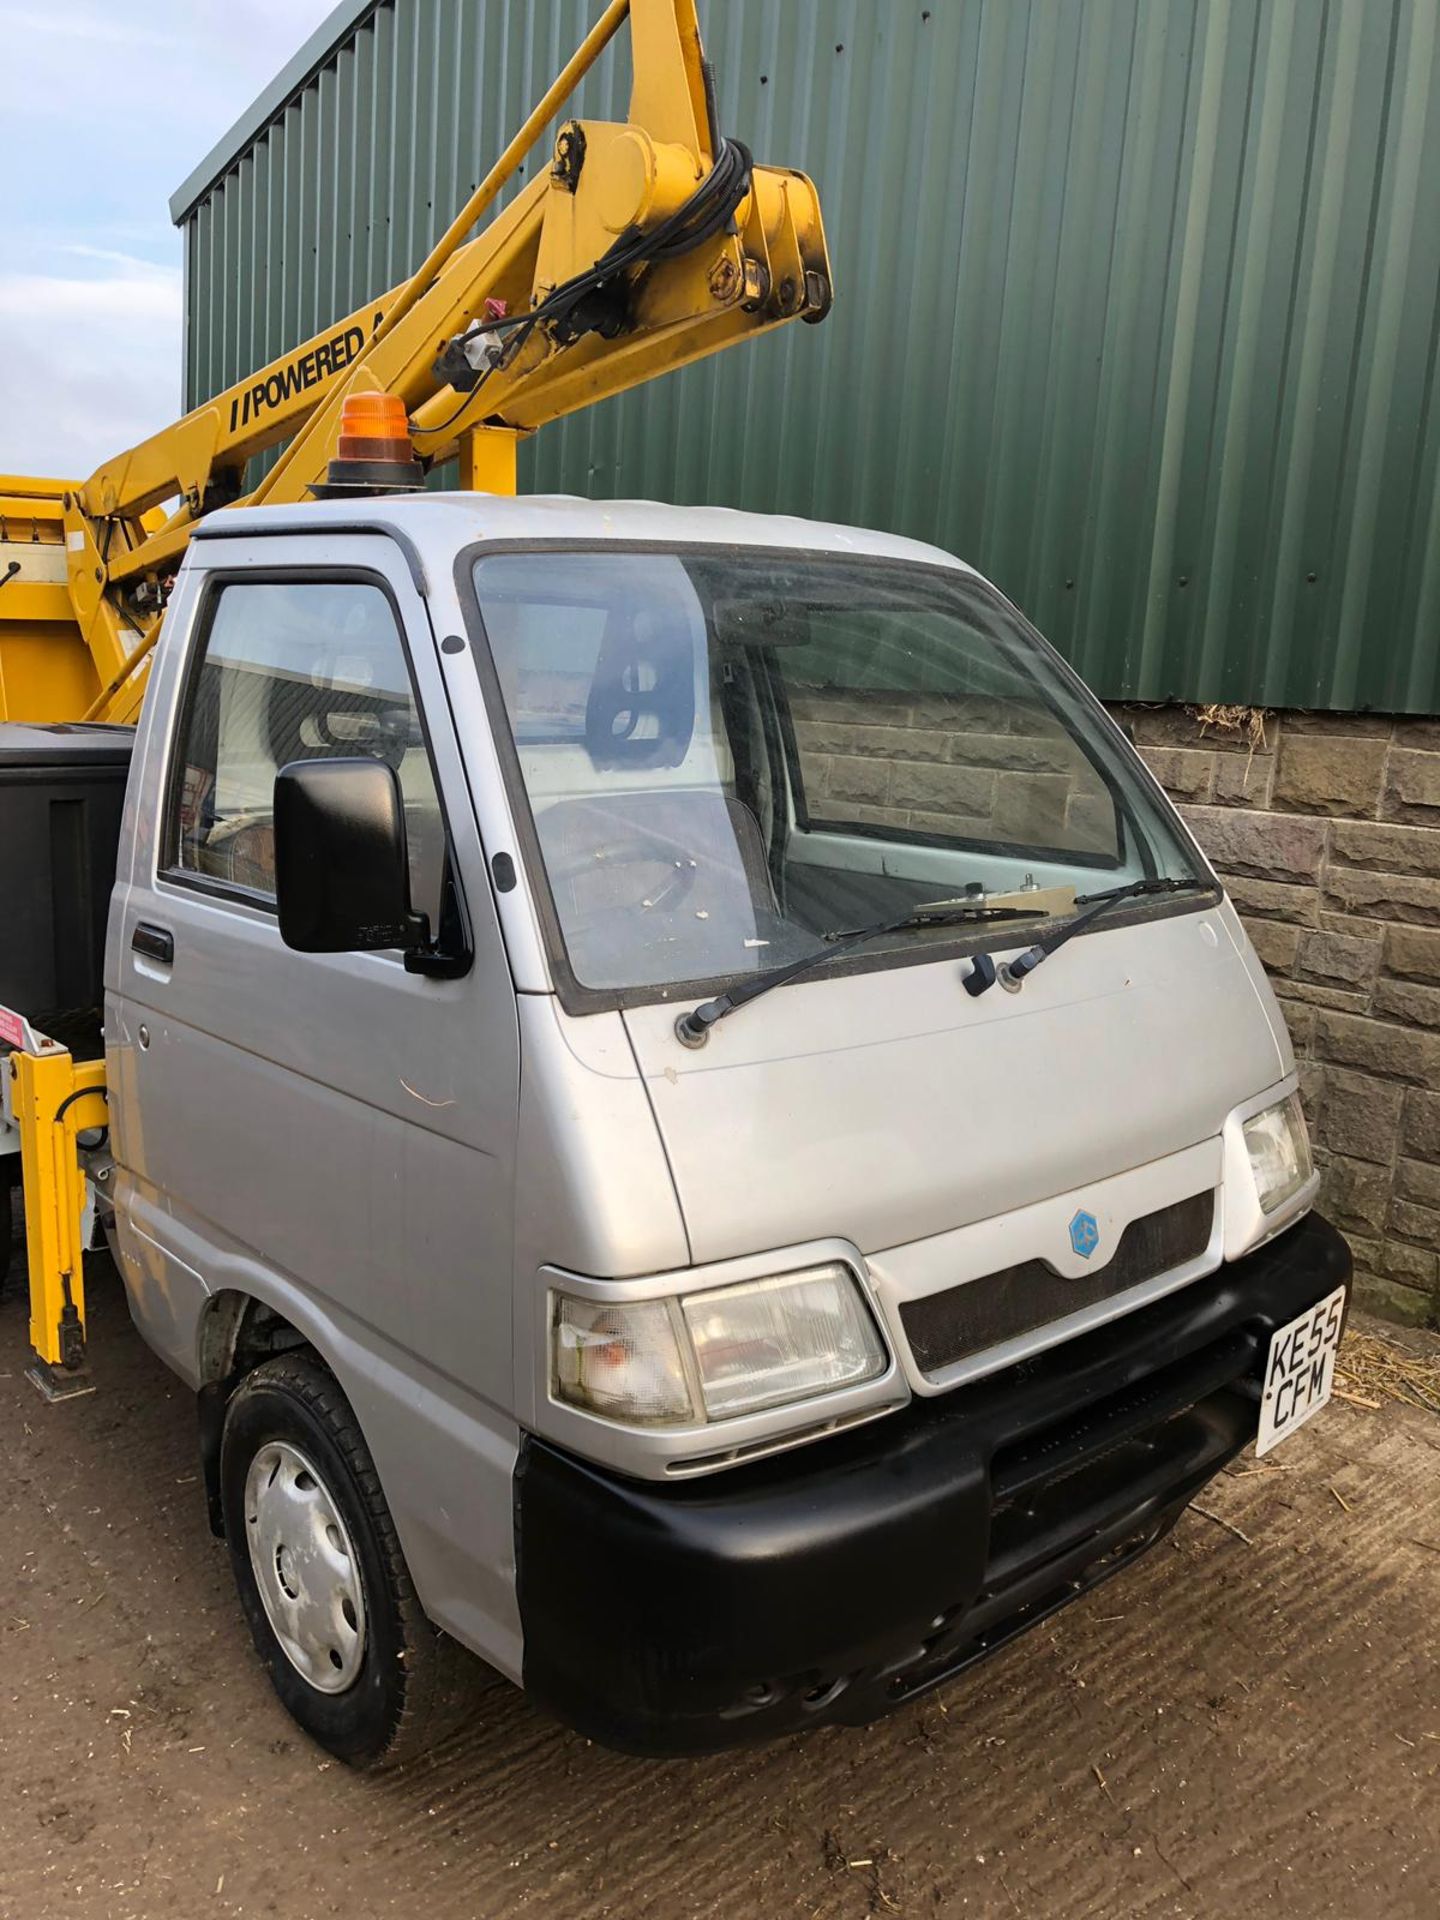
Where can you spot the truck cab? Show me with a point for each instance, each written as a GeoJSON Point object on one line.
{"type": "Point", "coordinates": [591, 1122]}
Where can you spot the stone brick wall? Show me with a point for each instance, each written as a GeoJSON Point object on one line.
{"type": "Point", "coordinates": [950, 764]}
{"type": "Point", "coordinates": [1327, 832]}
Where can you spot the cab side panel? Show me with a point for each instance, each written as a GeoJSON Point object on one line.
{"type": "Point", "coordinates": [331, 1136]}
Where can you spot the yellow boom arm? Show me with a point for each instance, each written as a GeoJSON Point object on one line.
{"type": "Point", "coordinates": [644, 245]}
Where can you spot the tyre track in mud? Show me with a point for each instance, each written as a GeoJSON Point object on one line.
{"type": "Point", "coordinates": [1229, 1729]}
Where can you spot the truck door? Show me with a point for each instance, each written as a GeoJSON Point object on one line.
{"type": "Point", "coordinates": [328, 1133]}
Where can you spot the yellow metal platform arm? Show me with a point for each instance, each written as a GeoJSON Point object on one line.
{"type": "Point", "coordinates": [644, 245]}
{"type": "Point", "coordinates": [53, 1099]}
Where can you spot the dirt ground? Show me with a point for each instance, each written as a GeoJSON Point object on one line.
{"type": "Point", "coordinates": [1241, 1726]}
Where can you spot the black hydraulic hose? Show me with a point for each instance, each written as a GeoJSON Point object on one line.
{"type": "Point", "coordinates": [706, 212]}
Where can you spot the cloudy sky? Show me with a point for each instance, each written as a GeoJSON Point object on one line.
{"type": "Point", "coordinates": [106, 109]}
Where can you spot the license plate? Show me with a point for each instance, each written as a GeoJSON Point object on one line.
{"type": "Point", "coordinates": [1300, 1370]}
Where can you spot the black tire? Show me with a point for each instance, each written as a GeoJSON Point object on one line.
{"type": "Point", "coordinates": [413, 1683]}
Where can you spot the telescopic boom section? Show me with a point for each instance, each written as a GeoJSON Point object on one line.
{"type": "Point", "coordinates": [642, 247]}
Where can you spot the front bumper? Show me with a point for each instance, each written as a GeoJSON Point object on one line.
{"type": "Point", "coordinates": [838, 1581]}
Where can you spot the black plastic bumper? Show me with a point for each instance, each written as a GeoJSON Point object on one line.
{"type": "Point", "coordinates": [835, 1582]}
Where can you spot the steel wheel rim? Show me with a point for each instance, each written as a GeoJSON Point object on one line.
{"type": "Point", "coordinates": [305, 1567]}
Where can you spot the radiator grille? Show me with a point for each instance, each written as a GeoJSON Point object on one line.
{"type": "Point", "coordinates": [950, 1326]}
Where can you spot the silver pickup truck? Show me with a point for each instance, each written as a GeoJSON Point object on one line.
{"type": "Point", "coordinates": [695, 1119]}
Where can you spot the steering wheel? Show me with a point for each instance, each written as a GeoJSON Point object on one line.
{"type": "Point", "coordinates": [646, 847]}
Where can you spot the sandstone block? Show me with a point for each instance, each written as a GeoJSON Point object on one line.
{"type": "Point", "coordinates": [1311, 1082]}
{"type": "Point", "coordinates": [1275, 942]}
{"type": "Point", "coordinates": [1408, 1306]}
{"type": "Point", "coordinates": [1337, 959]}
{"type": "Point", "coordinates": [1356, 1194]}
{"type": "Point", "coordinates": [1421, 1131]}
{"type": "Point", "coordinates": [1273, 900]}
{"type": "Point", "coordinates": [1411, 1221]}
{"type": "Point", "coordinates": [1373, 1047]}
{"type": "Point", "coordinates": [1398, 1260]}
{"type": "Point", "coordinates": [1366, 1252]}
{"type": "Point", "coordinates": [1244, 779]}
{"type": "Point", "coordinates": [1337, 773]}
{"type": "Point", "coordinates": [1371, 725]}
{"type": "Point", "coordinates": [1030, 807]}
{"type": "Point", "coordinates": [1357, 926]}
{"type": "Point", "coordinates": [1406, 1000]}
{"type": "Point", "coordinates": [943, 789]}
{"type": "Point", "coordinates": [1386, 849]}
{"type": "Point", "coordinates": [815, 737]}
{"type": "Point", "coordinates": [1412, 789]}
{"type": "Point", "coordinates": [1184, 772]}
{"type": "Point", "coordinates": [875, 816]}
{"type": "Point", "coordinates": [965, 826]}
{"type": "Point", "coordinates": [1362, 1116]}
{"type": "Point", "coordinates": [1237, 739]}
{"type": "Point", "coordinates": [1346, 999]}
{"type": "Point", "coordinates": [1090, 823]}
{"type": "Point", "coordinates": [1413, 953]}
{"type": "Point", "coordinates": [1385, 896]}
{"type": "Point", "coordinates": [1022, 752]}
{"type": "Point", "coordinates": [1160, 726]}
{"type": "Point", "coordinates": [1300, 1022]}
{"type": "Point", "coordinates": [845, 737]}
{"type": "Point", "coordinates": [864, 781]}
{"type": "Point", "coordinates": [1265, 846]}
{"type": "Point", "coordinates": [1419, 1180]}
{"type": "Point", "coordinates": [902, 743]}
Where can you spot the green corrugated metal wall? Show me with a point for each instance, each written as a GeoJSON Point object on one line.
{"type": "Point", "coordinates": [1136, 301]}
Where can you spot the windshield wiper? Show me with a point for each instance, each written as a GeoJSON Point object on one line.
{"type": "Point", "coordinates": [693, 1029]}
{"type": "Point", "coordinates": [1012, 973]}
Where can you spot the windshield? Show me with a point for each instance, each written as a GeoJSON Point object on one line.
{"type": "Point", "coordinates": [730, 754]}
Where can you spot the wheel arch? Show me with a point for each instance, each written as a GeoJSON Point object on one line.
{"type": "Point", "coordinates": [237, 1331]}
{"type": "Point", "coordinates": [444, 1456]}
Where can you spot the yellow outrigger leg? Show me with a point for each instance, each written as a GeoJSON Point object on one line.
{"type": "Point", "coordinates": [52, 1099]}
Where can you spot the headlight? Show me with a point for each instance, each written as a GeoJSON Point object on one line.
{"type": "Point", "coordinates": [768, 1341]}
{"type": "Point", "coordinates": [1278, 1143]}
{"type": "Point", "coordinates": [718, 1354]}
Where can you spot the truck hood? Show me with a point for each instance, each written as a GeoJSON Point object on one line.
{"type": "Point", "coordinates": [889, 1106]}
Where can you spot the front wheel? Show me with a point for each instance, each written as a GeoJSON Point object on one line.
{"type": "Point", "coordinates": [322, 1579]}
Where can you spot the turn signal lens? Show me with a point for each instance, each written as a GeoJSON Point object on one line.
{"type": "Point", "coordinates": [621, 1361]}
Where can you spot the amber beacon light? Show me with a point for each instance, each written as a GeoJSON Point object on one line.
{"type": "Point", "coordinates": [374, 454]}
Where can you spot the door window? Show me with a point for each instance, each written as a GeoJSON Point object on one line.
{"type": "Point", "coordinates": [295, 670]}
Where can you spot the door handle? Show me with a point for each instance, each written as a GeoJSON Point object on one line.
{"type": "Point", "coordinates": [156, 943]}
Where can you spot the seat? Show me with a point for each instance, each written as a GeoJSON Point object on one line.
{"type": "Point", "coordinates": [241, 850]}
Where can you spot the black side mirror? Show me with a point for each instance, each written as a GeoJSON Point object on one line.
{"type": "Point", "coordinates": [342, 872]}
